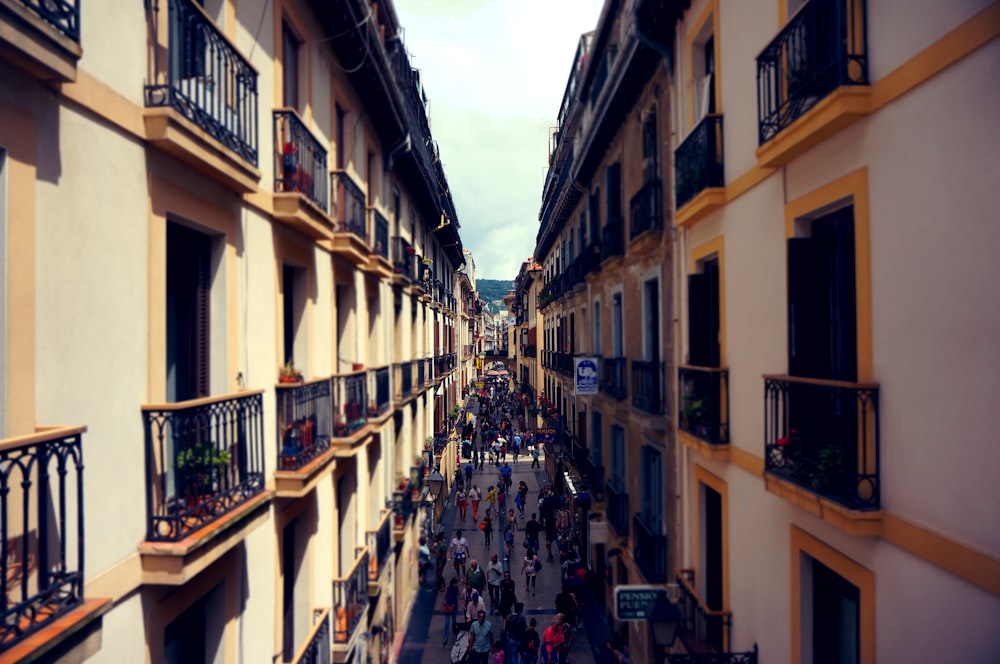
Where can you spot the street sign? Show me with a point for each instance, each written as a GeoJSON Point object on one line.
{"type": "Point", "coordinates": [585, 370]}
{"type": "Point", "coordinates": [636, 602]}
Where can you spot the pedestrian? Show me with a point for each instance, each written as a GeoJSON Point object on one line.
{"type": "Point", "coordinates": [480, 640]}
{"type": "Point", "coordinates": [468, 473]}
{"type": "Point", "coordinates": [476, 604]}
{"type": "Point", "coordinates": [477, 577]}
{"type": "Point", "coordinates": [552, 642]}
{"type": "Point", "coordinates": [462, 501]}
{"type": "Point", "coordinates": [566, 604]}
{"type": "Point", "coordinates": [508, 543]}
{"type": "Point", "coordinates": [516, 446]}
{"type": "Point", "coordinates": [505, 472]}
{"type": "Point", "coordinates": [449, 607]}
{"type": "Point", "coordinates": [535, 455]}
{"type": "Point", "coordinates": [440, 552]}
{"type": "Point", "coordinates": [550, 534]}
{"type": "Point", "coordinates": [508, 594]}
{"type": "Point", "coordinates": [498, 653]}
{"type": "Point", "coordinates": [475, 495]}
{"type": "Point", "coordinates": [491, 496]}
{"type": "Point", "coordinates": [530, 567]}
{"type": "Point", "coordinates": [531, 530]}
{"type": "Point", "coordinates": [494, 574]}
{"type": "Point", "coordinates": [515, 626]}
{"type": "Point", "coordinates": [530, 642]}
{"type": "Point", "coordinates": [501, 499]}
{"type": "Point", "coordinates": [486, 525]}
{"type": "Point", "coordinates": [459, 550]}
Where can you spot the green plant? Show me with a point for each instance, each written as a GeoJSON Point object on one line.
{"type": "Point", "coordinates": [456, 410]}
{"type": "Point", "coordinates": [289, 374]}
{"type": "Point", "coordinates": [200, 466]}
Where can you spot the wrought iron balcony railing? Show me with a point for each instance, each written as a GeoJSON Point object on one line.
{"type": "Point", "coordinates": [613, 238]}
{"type": "Point", "coordinates": [613, 377]}
{"type": "Point", "coordinates": [348, 204]}
{"type": "Point", "coordinates": [379, 543]}
{"type": "Point", "coordinates": [591, 258]}
{"type": "Point", "coordinates": [616, 503]}
{"type": "Point", "coordinates": [420, 373]}
{"type": "Point", "coordinates": [698, 162]}
{"type": "Point", "coordinates": [206, 80]}
{"type": "Point", "coordinates": [305, 422]}
{"type": "Point", "coordinates": [350, 598]}
{"type": "Point", "coordinates": [701, 625]}
{"type": "Point", "coordinates": [820, 49]}
{"type": "Point", "coordinates": [646, 208]}
{"type": "Point", "coordinates": [63, 15]}
{"type": "Point", "coordinates": [403, 506]}
{"type": "Point", "coordinates": [380, 229]}
{"type": "Point", "coordinates": [379, 394]}
{"type": "Point", "coordinates": [403, 255]}
{"type": "Point", "coordinates": [647, 386]}
{"type": "Point", "coordinates": [41, 501]}
{"type": "Point", "coordinates": [594, 472]}
{"type": "Point", "coordinates": [299, 160]}
{"type": "Point", "coordinates": [316, 649]}
{"type": "Point", "coordinates": [649, 550]}
{"type": "Point", "coordinates": [204, 458]}
{"type": "Point", "coordinates": [350, 399]}
{"type": "Point", "coordinates": [823, 435]}
{"type": "Point", "coordinates": [704, 406]}
{"type": "Point", "coordinates": [404, 378]}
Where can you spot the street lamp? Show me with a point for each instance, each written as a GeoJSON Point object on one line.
{"type": "Point", "coordinates": [666, 619]}
{"type": "Point", "coordinates": [435, 482]}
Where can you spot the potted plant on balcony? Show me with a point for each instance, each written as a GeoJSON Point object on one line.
{"type": "Point", "coordinates": [199, 468]}
{"type": "Point", "coordinates": [289, 374]}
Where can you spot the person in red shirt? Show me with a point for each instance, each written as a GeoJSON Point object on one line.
{"type": "Point", "coordinates": [552, 642]}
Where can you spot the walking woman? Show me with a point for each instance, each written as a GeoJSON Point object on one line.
{"type": "Point", "coordinates": [449, 605]}
{"type": "Point", "coordinates": [530, 568]}
{"type": "Point", "coordinates": [462, 502]}
{"type": "Point", "coordinates": [487, 527]}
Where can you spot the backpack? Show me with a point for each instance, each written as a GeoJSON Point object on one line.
{"type": "Point", "coordinates": [538, 564]}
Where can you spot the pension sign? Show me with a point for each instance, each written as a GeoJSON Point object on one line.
{"type": "Point", "coordinates": [636, 602]}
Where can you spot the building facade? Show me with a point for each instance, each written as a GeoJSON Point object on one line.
{"type": "Point", "coordinates": [252, 234]}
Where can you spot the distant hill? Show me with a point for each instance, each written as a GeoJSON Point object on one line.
{"type": "Point", "coordinates": [493, 289]}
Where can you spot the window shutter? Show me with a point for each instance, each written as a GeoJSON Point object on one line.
{"type": "Point", "coordinates": [201, 321]}
{"type": "Point", "coordinates": [699, 332]}
{"type": "Point", "coordinates": [808, 329]}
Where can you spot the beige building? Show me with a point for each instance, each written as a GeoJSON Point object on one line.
{"type": "Point", "coordinates": [230, 284]}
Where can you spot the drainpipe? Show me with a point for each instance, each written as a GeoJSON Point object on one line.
{"type": "Point", "coordinates": [402, 148]}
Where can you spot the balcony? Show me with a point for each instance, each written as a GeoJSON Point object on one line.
{"type": "Point", "coordinates": [649, 550]}
{"type": "Point", "coordinates": [403, 507]}
{"type": "Point", "coordinates": [616, 503]}
{"type": "Point", "coordinates": [379, 262]}
{"type": "Point", "coordinates": [204, 481]}
{"type": "Point", "coordinates": [404, 381]}
{"type": "Point", "coordinates": [379, 543]}
{"type": "Point", "coordinates": [379, 396]}
{"type": "Point", "coordinates": [350, 404]}
{"type": "Point", "coordinates": [646, 209]}
{"type": "Point", "coordinates": [593, 472]}
{"type": "Point", "coordinates": [300, 177]}
{"type": "Point", "coordinates": [202, 105]}
{"type": "Point", "coordinates": [421, 374]}
{"type": "Point", "coordinates": [350, 602]}
{"type": "Point", "coordinates": [41, 38]}
{"type": "Point", "coordinates": [647, 386]}
{"type": "Point", "coordinates": [812, 79]}
{"type": "Point", "coordinates": [702, 629]}
{"type": "Point", "coordinates": [316, 649]}
{"type": "Point", "coordinates": [403, 259]}
{"type": "Point", "coordinates": [43, 539]}
{"type": "Point", "coordinates": [305, 424]}
{"type": "Point", "coordinates": [613, 238]}
{"type": "Point", "coordinates": [350, 241]}
{"type": "Point", "coordinates": [704, 409]}
{"type": "Point", "coordinates": [821, 448]}
{"type": "Point", "coordinates": [700, 171]}
{"type": "Point", "coordinates": [613, 377]}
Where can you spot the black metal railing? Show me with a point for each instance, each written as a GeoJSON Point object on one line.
{"type": "Point", "coordinates": [379, 394]}
{"type": "Point", "coordinates": [403, 255]}
{"type": "Point", "coordinates": [646, 208]}
{"type": "Point", "coordinates": [616, 503]}
{"type": "Point", "coordinates": [403, 506]}
{"type": "Point", "coordinates": [823, 435]}
{"type": "Point", "coordinates": [613, 377]}
{"type": "Point", "coordinates": [591, 258]}
{"type": "Point", "coordinates": [350, 598]}
{"type": "Point", "coordinates": [698, 162]}
{"type": "Point", "coordinates": [820, 49]}
{"type": "Point", "coordinates": [317, 647]}
{"type": "Point", "coordinates": [747, 657]}
{"type": "Point", "coordinates": [207, 80]}
{"type": "Point", "coordinates": [647, 386]}
{"type": "Point", "coordinates": [379, 543]}
{"type": "Point", "coordinates": [404, 372]}
{"type": "Point", "coordinates": [204, 458]}
{"type": "Point", "coordinates": [299, 160]}
{"type": "Point", "coordinates": [613, 238]}
{"type": "Point", "coordinates": [649, 550]}
{"type": "Point", "coordinates": [380, 229]}
{"type": "Point", "coordinates": [305, 422]}
{"type": "Point", "coordinates": [704, 403]}
{"type": "Point", "coordinates": [63, 15]}
{"type": "Point", "coordinates": [708, 628]}
{"type": "Point", "coordinates": [41, 503]}
{"type": "Point", "coordinates": [350, 400]}
{"type": "Point", "coordinates": [594, 472]}
{"type": "Point", "coordinates": [348, 204]}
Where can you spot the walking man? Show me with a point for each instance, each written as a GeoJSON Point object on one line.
{"type": "Point", "coordinates": [480, 640]}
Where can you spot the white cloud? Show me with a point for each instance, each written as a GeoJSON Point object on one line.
{"type": "Point", "coordinates": [495, 72]}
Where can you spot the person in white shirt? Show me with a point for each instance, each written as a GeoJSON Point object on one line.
{"type": "Point", "coordinates": [459, 551]}
{"type": "Point", "coordinates": [494, 573]}
{"type": "Point", "coordinates": [475, 605]}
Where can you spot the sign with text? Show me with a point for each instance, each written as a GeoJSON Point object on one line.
{"type": "Point", "coordinates": [545, 435]}
{"type": "Point", "coordinates": [585, 370]}
{"type": "Point", "coordinates": [636, 602]}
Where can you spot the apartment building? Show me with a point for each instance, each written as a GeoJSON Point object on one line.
{"type": "Point", "coordinates": [833, 205]}
{"type": "Point", "coordinates": [230, 284]}
{"type": "Point", "coordinates": [522, 304]}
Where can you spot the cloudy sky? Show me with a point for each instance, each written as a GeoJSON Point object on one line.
{"type": "Point", "coordinates": [494, 72]}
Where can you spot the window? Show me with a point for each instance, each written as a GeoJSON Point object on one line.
{"type": "Point", "coordinates": [651, 506]}
{"type": "Point", "coordinates": [596, 439]}
{"type": "Point", "coordinates": [613, 187]}
{"type": "Point", "coordinates": [293, 287]}
{"type": "Point", "coordinates": [188, 312]}
{"type": "Point", "coordinates": [3, 287]}
{"type": "Point", "coordinates": [595, 216]}
{"type": "Point", "coordinates": [650, 153]}
{"type": "Point", "coordinates": [196, 635]}
{"type": "Point", "coordinates": [290, 64]}
{"type": "Point", "coordinates": [340, 135]}
{"type": "Point", "coordinates": [651, 320]}
{"type": "Point", "coordinates": [618, 457]}
{"type": "Point", "coordinates": [702, 69]}
{"type": "Point", "coordinates": [617, 331]}
{"type": "Point", "coordinates": [835, 617]}
{"type": "Point", "coordinates": [703, 315]}
{"type": "Point", "coordinates": [597, 327]}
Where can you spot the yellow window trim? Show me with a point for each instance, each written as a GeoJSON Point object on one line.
{"type": "Point", "coordinates": [700, 253]}
{"type": "Point", "coordinates": [864, 579]}
{"type": "Point", "coordinates": [711, 9]}
{"type": "Point", "coordinates": [854, 187]}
